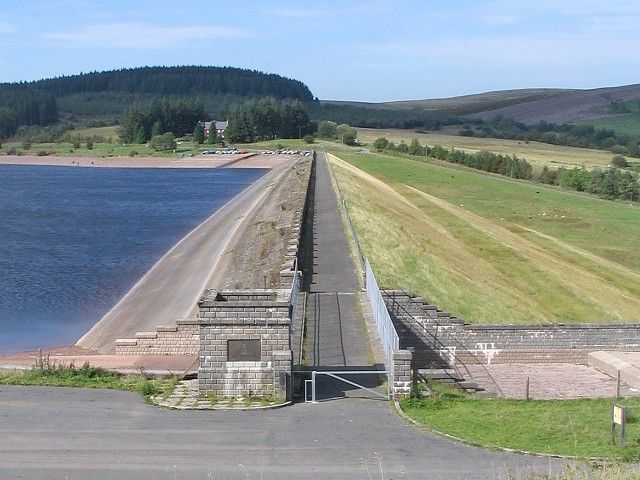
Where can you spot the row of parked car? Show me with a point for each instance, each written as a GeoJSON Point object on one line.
{"type": "Point", "coordinates": [226, 151]}
{"type": "Point", "coordinates": [305, 153]}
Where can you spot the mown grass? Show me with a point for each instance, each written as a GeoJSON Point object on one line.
{"type": "Point", "coordinates": [537, 153]}
{"type": "Point", "coordinates": [101, 150]}
{"type": "Point", "coordinates": [491, 249]}
{"type": "Point", "coordinates": [580, 428]}
{"type": "Point", "coordinates": [116, 149]}
{"type": "Point", "coordinates": [86, 376]}
{"type": "Point", "coordinates": [106, 132]}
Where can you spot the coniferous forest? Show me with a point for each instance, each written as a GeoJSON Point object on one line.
{"type": "Point", "coordinates": [109, 95]}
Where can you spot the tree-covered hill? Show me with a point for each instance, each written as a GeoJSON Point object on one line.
{"type": "Point", "coordinates": [188, 80]}
{"type": "Point", "coordinates": [109, 94]}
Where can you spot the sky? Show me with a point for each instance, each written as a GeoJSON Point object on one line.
{"type": "Point", "coordinates": [343, 50]}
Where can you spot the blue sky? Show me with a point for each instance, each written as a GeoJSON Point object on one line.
{"type": "Point", "coordinates": [347, 50]}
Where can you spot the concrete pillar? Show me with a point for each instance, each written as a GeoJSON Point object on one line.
{"type": "Point", "coordinates": [401, 383]}
{"type": "Point", "coordinates": [282, 381]}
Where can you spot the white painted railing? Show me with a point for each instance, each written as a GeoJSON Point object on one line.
{"type": "Point", "coordinates": [388, 335]}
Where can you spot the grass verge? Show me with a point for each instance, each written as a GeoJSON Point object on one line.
{"type": "Point", "coordinates": [580, 428]}
{"type": "Point", "coordinates": [86, 376]}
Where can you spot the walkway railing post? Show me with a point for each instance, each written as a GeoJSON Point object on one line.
{"type": "Point", "coordinates": [313, 387]}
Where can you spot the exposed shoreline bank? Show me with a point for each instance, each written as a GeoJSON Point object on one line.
{"type": "Point", "coordinates": [168, 291]}
{"type": "Point", "coordinates": [246, 160]}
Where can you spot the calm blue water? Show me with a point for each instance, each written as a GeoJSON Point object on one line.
{"type": "Point", "coordinates": [74, 240]}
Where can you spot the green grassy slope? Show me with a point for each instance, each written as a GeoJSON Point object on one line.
{"type": "Point", "coordinates": [491, 249]}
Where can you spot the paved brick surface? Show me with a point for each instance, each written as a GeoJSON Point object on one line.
{"type": "Point", "coordinates": [550, 381]}
{"type": "Point", "coordinates": [173, 364]}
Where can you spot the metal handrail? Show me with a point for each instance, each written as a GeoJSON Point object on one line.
{"type": "Point", "coordinates": [437, 342]}
{"type": "Point", "coordinates": [388, 334]}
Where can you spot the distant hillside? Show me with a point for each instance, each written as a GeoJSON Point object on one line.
{"type": "Point", "coordinates": [107, 95]}
{"type": "Point", "coordinates": [462, 105]}
{"type": "Point", "coordinates": [569, 107]}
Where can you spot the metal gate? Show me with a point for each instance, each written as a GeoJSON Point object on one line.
{"type": "Point", "coordinates": [310, 386]}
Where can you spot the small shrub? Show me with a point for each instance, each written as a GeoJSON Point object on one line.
{"type": "Point", "coordinates": [76, 144]}
{"type": "Point", "coordinates": [26, 145]}
{"type": "Point", "coordinates": [42, 153]}
{"type": "Point", "coordinates": [619, 161]}
{"type": "Point", "coordinates": [133, 153]}
{"type": "Point", "coordinates": [89, 145]}
{"type": "Point", "coordinates": [147, 388]}
{"type": "Point", "coordinates": [309, 139]}
{"type": "Point", "coordinates": [12, 150]}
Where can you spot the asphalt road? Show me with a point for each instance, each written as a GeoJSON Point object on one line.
{"type": "Point", "coordinates": [169, 290]}
{"type": "Point", "coordinates": [79, 434]}
{"type": "Point", "coordinates": [335, 330]}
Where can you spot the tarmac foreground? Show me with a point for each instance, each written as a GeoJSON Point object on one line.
{"type": "Point", "coordinates": [79, 434]}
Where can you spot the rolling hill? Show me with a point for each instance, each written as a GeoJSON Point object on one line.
{"type": "Point", "coordinates": [568, 107]}
{"type": "Point", "coordinates": [529, 106]}
{"type": "Point", "coordinates": [462, 105]}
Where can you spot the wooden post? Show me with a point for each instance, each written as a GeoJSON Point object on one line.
{"type": "Point", "coordinates": [618, 386]}
{"type": "Point", "coordinates": [527, 389]}
{"type": "Point", "coordinates": [613, 425]}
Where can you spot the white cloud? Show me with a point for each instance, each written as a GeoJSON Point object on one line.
{"type": "Point", "coordinates": [142, 35]}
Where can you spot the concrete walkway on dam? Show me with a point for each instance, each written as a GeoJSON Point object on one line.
{"type": "Point", "coordinates": [169, 291]}
{"type": "Point", "coordinates": [336, 332]}
{"type": "Point", "coordinates": [79, 434]}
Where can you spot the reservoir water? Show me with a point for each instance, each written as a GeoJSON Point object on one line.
{"type": "Point", "coordinates": [74, 240]}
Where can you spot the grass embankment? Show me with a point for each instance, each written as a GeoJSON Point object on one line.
{"type": "Point", "coordinates": [537, 153]}
{"type": "Point", "coordinates": [492, 249]}
{"type": "Point", "coordinates": [580, 428]}
{"type": "Point", "coordinates": [58, 375]}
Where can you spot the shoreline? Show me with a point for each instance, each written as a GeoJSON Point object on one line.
{"type": "Point", "coordinates": [245, 160]}
{"type": "Point", "coordinates": [168, 291]}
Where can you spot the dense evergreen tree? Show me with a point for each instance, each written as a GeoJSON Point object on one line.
{"type": "Point", "coordinates": [267, 118]}
{"type": "Point", "coordinates": [21, 105]}
{"type": "Point", "coordinates": [177, 117]}
{"type": "Point", "coordinates": [198, 133]}
{"type": "Point", "coordinates": [185, 80]}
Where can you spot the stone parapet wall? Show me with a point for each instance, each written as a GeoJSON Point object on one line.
{"type": "Point", "coordinates": [443, 338]}
{"type": "Point", "coordinates": [182, 339]}
{"type": "Point", "coordinates": [295, 235]}
{"type": "Point", "coordinates": [493, 344]}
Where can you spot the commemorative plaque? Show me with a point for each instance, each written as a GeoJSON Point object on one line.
{"type": "Point", "coordinates": [243, 350]}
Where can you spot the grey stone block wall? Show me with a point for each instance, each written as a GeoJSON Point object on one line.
{"type": "Point", "coordinates": [243, 315]}
{"type": "Point", "coordinates": [400, 384]}
{"type": "Point", "coordinates": [493, 344]}
{"type": "Point", "coordinates": [181, 339]}
{"type": "Point", "coordinates": [448, 340]}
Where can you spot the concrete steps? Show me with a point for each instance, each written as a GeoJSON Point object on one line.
{"type": "Point", "coordinates": [610, 363]}
{"type": "Point", "coordinates": [422, 328]}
